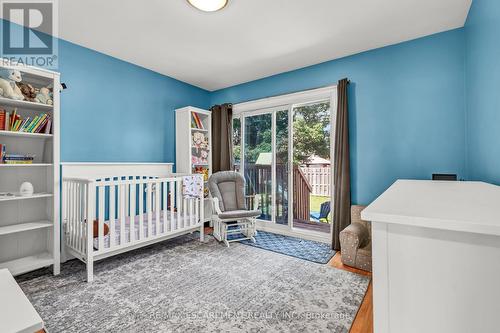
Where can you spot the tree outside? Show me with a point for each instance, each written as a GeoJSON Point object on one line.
{"type": "Point", "coordinates": [311, 126]}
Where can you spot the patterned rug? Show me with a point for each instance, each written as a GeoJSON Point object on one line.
{"type": "Point", "coordinates": [318, 252]}
{"type": "Point", "coordinates": [183, 285]}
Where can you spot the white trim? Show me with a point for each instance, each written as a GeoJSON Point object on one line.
{"type": "Point", "coordinates": [46, 73]}
{"type": "Point", "coordinates": [285, 100]}
{"type": "Point", "coordinates": [106, 170]}
{"type": "Point", "coordinates": [273, 167]}
{"type": "Point", "coordinates": [290, 167]}
{"type": "Point", "coordinates": [193, 109]}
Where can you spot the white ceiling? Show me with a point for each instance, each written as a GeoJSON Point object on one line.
{"type": "Point", "coordinates": [249, 39]}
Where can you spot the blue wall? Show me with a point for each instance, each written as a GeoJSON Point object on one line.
{"type": "Point", "coordinates": [483, 90]}
{"type": "Point", "coordinates": [407, 113]}
{"type": "Point", "coordinates": [115, 111]}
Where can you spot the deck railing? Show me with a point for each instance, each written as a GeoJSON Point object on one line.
{"type": "Point", "coordinates": [301, 195]}
{"type": "Point", "coordinates": [259, 185]}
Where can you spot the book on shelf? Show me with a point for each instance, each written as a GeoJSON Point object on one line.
{"type": "Point", "coordinates": [2, 152]}
{"type": "Point", "coordinates": [13, 122]}
{"type": "Point", "coordinates": [3, 114]}
{"type": "Point", "coordinates": [16, 158]}
{"type": "Point", "coordinates": [196, 121]}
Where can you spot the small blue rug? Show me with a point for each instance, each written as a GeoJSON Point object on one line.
{"type": "Point", "coordinates": [317, 252]}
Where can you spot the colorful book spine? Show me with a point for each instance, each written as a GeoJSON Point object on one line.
{"type": "Point", "coordinates": [197, 120]}
{"type": "Point", "coordinates": [38, 123]}
{"type": "Point", "coordinates": [13, 118]}
{"type": "Point", "coordinates": [21, 124]}
{"type": "Point", "coordinates": [30, 124]}
{"type": "Point", "coordinates": [14, 122]}
{"type": "Point", "coordinates": [48, 127]}
{"type": "Point", "coordinates": [3, 113]}
{"type": "Point", "coordinates": [7, 118]}
{"type": "Point", "coordinates": [40, 127]}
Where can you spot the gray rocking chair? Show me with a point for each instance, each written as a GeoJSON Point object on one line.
{"type": "Point", "coordinates": [231, 218]}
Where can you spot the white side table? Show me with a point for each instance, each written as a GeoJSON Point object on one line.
{"type": "Point", "coordinates": [16, 312]}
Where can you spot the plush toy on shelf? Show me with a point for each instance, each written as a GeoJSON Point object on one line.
{"type": "Point", "coordinates": [8, 87]}
{"type": "Point", "coordinates": [198, 139]}
{"type": "Point", "coordinates": [44, 96]}
{"type": "Point", "coordinates": [28, 91]}
{"type": "Point", "coordinates": [203, 171]}
{"type": "Point", "coordinates": [203, 157]}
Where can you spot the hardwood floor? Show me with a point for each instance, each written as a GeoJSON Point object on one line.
{"type": "Point", "coordinates": [363, 323]}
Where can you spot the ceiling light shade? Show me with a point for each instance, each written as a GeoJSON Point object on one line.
{"type": "Point", "coordinates": [208, 5]}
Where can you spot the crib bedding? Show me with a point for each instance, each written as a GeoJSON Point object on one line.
{"type": "Point", "coordinates": [182, 221]}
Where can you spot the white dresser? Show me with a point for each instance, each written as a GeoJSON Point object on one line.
{"type": "Point", "coordinates": [16, 312]}
{"type": "Point", "coordinates": [436, 257]}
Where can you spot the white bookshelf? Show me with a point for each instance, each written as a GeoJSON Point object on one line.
{"type": "Point", "coordinates": [184, 145]}
{"type": "Point", "coordinates": [29, 226]}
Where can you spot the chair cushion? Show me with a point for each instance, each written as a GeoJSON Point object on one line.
{"type": "Point", "coordinates": [238, 214]}
{"type": "Point", "coordinates": [229, 188]}
{"type": "Point", "coordinates": [229, 196]}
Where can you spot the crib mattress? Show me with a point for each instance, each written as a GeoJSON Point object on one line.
{"type": "Point", "coordinates": [177, 223]}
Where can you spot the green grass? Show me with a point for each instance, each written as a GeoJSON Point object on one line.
{"type": "Point", "coordinates": [315, 202]}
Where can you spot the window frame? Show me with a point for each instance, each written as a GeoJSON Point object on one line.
{"type": "Point", "coordinates": [279, 103]}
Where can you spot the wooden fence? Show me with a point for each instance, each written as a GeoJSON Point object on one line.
{"type": "Point", "coordinates": [319, 179]}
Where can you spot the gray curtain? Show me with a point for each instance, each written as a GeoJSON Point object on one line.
{"type": "Point", "coordinates": [221, 137]}
{"type": "Point", "coordinates": [341, 174]}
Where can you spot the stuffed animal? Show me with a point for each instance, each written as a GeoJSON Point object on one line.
{"type": "Point", "coordinates": [204, 156]}
{"type": "Point", "coordinates": [8, 87]}
{"type": "Point", "coordinates": [198, 139]}
{"type": "Point", "coordinates": [28, 91]}
{"type": "Point", "coordinates": [44, 96]}
{"type": "Point", "coordinates": [203, 171]}
{"type": "Point", "coordinates": [96, 228]}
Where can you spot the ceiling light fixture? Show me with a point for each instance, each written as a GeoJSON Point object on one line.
{"type": "Point", "coordinates": [208, 5]}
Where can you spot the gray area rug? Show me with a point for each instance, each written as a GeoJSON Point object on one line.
{"type": "Point", "coordinates": [183, 285]}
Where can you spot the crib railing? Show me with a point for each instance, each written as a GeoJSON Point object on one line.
{"type": "Point", "coordinates": [138, 209]}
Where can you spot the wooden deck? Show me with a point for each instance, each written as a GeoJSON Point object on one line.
{"type": "Point", "coordinates": [313, 226]}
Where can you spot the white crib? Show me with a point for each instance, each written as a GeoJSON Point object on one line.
{"type": "Point", "coordinates": [140, 204]}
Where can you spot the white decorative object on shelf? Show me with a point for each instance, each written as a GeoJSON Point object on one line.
{"type": "Point", "coordinates": [26, 189]}
{"type": "Point", "coordinates": [29, 220]}
{"type": "Point", "coordinates": [194, 146]}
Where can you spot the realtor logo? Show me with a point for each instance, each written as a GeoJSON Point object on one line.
{"type": "Point", "coordinates": [28, 28]}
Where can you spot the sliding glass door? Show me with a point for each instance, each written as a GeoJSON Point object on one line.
{"type": "Point", "coordinates": [257, 157]}
{"type": "Point", "coordinates": [281, 168]}
{"type": "Point", "coordinates": [312, 166]}
{"type": "Point", "coordinates": [285, 155]}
